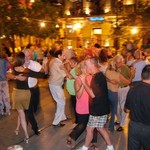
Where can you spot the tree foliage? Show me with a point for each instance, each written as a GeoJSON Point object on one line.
{"type": "Point", "coordinates": [139, 19]}
{"type": "Point", "coordinates": [11, 17]}
{"type": "Point", "coordinates": [20, 17]}
{"type": "Point", "coordinates": [43, 11]}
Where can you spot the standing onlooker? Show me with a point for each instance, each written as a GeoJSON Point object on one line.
{"type": "Point", "coordinates": [56, 80]}
{"type": "Point", "coordinates": [99, 104]}
{"type": "Point", "coordinates": [138, 64]}
{"type": "Point", "coordinates": [138, 104]}
{"type": "Point", "coordinates": [122, 90]}
{"type": "Point", "coordinates": [129, 45]}
{"type": "Point", "coordinates": [4, 90]}
{"type": "Point", "coordinates": [129, 58]}
{"type": "Point", "coordinates": [45, 63]}
{"type": "Point", "coordinates": [33, 53]}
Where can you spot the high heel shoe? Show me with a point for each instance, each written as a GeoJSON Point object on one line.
{"type": "Point", "coordinates": [70, 143]}
{"type": "Point", "coordinates": [26, 140]}
{"type": "Point", "coordinates": [16, 132]}
{"type": "Point", "coordinates": [7, 113]}
{"type": "Point", "coordinates": [36, 131]}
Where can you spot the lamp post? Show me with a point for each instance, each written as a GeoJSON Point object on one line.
{"type": "Point", "coordinates": [117, 29]}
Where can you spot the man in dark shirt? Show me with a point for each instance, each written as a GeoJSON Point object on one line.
{"type": "Point", "coordinates": [138, 104]}
{"type": "Point", "coordinates": [99, 105]}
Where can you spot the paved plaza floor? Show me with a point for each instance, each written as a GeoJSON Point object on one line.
{"type": "Point", "coordinates": [51, 138]}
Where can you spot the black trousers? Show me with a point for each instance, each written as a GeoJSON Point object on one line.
{"type": "Point", "coordinates": [73, 107]}
{"type": "Point", "coordinates": [34, 101]}
{"type": "Point", "coordinates": [82, 120]}
{"type": "Point", "coordinates": [35, 96]}
{"type": "Point", "coordinates": [138, 136]}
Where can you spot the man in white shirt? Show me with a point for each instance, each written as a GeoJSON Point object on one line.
{"type": "Point", "coordinates": [138, 64]}
{"type": "Point", "coordinates": [33, 85]}
{"type": "Point", "coordinates": [56, 80]}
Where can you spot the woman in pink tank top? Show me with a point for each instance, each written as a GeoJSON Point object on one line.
{"type": "Point", "coordinates": [82, 106]}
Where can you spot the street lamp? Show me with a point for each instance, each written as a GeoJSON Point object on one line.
{"type": "Point", "coordinates": [57, 26]}
{"type": "Point", "coordinates": [42, 24]}
{"type": "Point", "coordinates": [67, 12]}
{"type": "Point", "coordinates": [134, 31]}
{"type": "Point", "coordinates": [77, 26]}
{"type": "Point", "coordinates": [32, 1]}
{"type": "Point", "coordinates": [87, 11]}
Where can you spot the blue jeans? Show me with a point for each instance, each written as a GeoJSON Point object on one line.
{"type": "Point", "coordinates": [138, 136]}
{"type": "Point", "coordinates": [113, 99]}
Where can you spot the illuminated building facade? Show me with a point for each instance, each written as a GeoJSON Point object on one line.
{"type": "Point", "coordinates": [94, 20]}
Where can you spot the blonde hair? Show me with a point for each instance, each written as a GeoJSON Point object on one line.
{"type": "Point", "coordinates": [111, 65]}
{"type": "Point", "coordinates": [79, 68]}
{"type": "Point", "coordinates": [118, 57]}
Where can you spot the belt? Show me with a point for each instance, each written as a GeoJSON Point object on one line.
{"type": "Point", "coordinates": [124, 86]}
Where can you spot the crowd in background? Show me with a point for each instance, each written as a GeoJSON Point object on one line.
{"type": "Point", "coordinates": [98, 82]}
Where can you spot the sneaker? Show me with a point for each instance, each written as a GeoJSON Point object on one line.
{"type": "Point", "coordinates": [110, 147]}
{"type": "Point", "coordinates": [59, 125]}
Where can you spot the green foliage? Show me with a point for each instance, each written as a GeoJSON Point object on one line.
{"type": "Point", "coordinates": [11, 17]}
{"type": "Point", "coordinates": [23, 19]}
{"type": "Point", "coordinates": [139, 19]}
{"type": "Point", "coordinates": [42, 11]}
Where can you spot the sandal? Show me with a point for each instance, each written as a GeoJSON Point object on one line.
{"type": "Point", "coordinates": [16, 132]}
{"type": "Point", "coordinates": [26, 140]}
{"type": "Point", "coordinates": [69, 142]}
{"type": "Point", "coordinates": [94, 147]}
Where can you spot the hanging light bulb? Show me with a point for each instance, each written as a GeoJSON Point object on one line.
{"type": "Point", "coordinates": [42, 24]}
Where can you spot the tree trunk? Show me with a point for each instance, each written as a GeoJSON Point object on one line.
{"type": "Point", "coordinates": [12, 42]}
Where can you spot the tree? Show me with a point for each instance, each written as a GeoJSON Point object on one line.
{"type": "Point", "coordinates": [43, 11]}
{"type": "Point", "coordinates": [140, 19]}
{"type": "Point", "coordinates": [21, 18]}
{"type": "Point", "coordinates": [125, 22]}
{"type": "Point", "coordinates": [11, 19]}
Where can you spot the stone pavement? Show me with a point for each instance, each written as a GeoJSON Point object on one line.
{"type": "Point", "coordinates": [51, 138]}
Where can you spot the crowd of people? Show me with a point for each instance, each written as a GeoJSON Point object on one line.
{"type": "Point", "coordinates": [102, 86]}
